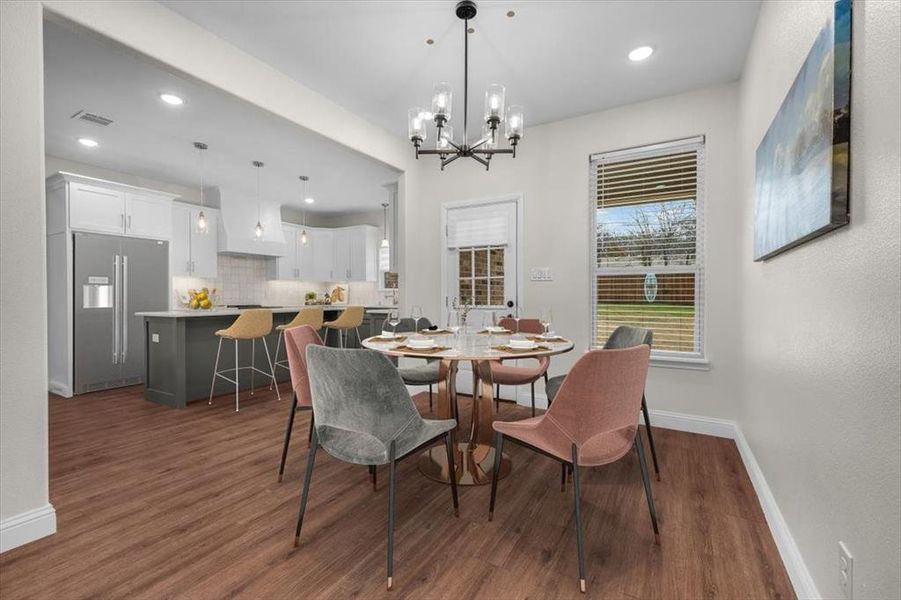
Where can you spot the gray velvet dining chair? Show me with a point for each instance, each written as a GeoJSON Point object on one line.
{"type": "Point", "coordinates": [364, 415]}
{"type": "Point", "coordinates": [624, 336]}
{"type": "Point", "coordinates": [422, 374]}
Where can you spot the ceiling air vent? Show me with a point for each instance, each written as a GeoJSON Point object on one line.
{"type": "Point", "coordinates": [92, 118]}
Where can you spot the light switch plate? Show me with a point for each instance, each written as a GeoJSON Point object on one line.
{"type": "Point", "coordinates": [541, 274]}
{"type": "Point", "coordinates": [155, 338]}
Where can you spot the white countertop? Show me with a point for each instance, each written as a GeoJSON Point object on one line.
{"type": "Point", "coordinates": [226, 312]}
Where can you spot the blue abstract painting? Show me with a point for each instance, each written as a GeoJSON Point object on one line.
{"type": "Point", "coordinates": [801, 188]}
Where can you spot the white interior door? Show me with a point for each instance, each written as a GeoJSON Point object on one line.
{"type": "Point", "coordinates": [481, 257]}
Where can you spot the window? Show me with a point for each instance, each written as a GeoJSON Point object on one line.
{"type": "Point", "coordinates": [647, 256]}
{"type": "Point", "coordinates": [481, 275]}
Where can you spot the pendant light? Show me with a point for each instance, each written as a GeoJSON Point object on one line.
{"type": "Point", "coordinates": [258, 230]}
{"type": "Point", "coordinates": [385, 243]}
{"type": "Point", "coordinates": [303, 232]}
{"type": "Point", "coordinates": [201, 225]}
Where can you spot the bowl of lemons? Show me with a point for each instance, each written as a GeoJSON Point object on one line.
{"type": "Point", "coordinates": [201, 299]}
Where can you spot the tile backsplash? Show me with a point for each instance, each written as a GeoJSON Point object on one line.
{"type": "Point", "coordinates": [250, 280]}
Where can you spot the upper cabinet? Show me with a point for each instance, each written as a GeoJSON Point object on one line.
{"type": "Point", "coordinates": [343, 254]}
{"type": "Point", "coordinates": [107, 207]}
{"type": "Point", "coordinates": [147, 216]}
{"type": "Point", "coordinates": [193, 252]}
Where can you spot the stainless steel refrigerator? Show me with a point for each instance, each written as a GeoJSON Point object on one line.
{"type": "Point", "coordinates": [114, 278]}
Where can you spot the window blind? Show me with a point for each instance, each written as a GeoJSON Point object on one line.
{"type": "Point", "coordinates": [466, 228]}
{"type": "Point", "coordinates": [647, 227]}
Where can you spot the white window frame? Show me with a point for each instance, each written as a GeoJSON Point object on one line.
{"type": "Point", "coordinates": [660, 358]}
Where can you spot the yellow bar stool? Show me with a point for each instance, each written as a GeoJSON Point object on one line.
{"type": "Point", "coordinates": [351, 318]}
{"type": "Point", "coordinates": [250, 325]}
{"type": "Point", "coordinates": [312, 316]}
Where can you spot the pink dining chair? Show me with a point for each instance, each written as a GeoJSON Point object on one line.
{"type": "Point", "coordinates": [507, 374]}
{"type": "Point", "coordinates": [592, 422]}
{"type": "Point", "coordinates": [296, 341]}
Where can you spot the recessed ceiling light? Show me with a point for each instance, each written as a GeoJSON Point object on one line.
{"type": "Point", "coordinates": [511, 14]}
{"type": "Point", "coordinates": [430, 41]}
{"type": "Point", "coordinates": [172, 99]}
{"type": "Point", "coordinates": [309, 200]}
{"type": "Point", "coordinates": [87, 142]}
{"type": "Point", "coordinates": [641, 53]}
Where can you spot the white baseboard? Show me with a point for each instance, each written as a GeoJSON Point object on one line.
{"type": "Point", "coordinates": [60, 389]}
{"type": "Point", "coordinates": [27, 527]}
{"type": "Point", "coordinates": [800, 576]}
{"type": "Point", "coordinates": [788, 550]}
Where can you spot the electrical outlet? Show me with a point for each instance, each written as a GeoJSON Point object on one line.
{"type": "Point", "coordinates": [541, 274]}
{"type": "Point", "coordinates": [846, 571]}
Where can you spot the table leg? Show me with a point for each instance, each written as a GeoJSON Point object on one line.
{"type": "Point", "coordinates": [474, 459]}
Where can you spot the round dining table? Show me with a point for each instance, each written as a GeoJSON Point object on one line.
{"type": "Point", "coordinates": [474, 459]}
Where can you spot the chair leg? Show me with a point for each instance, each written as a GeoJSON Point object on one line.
{"type": "Point", "coordinates": [639, 447]}
{"type": "Point", "coordinates": [533, 398]}
{"type": "Point", "coordinates": [498, 455]}
{"type": "Point", "coordinates": [647, 424]}
{"type": "Point", "coordinates": [579, 541]}
{"type": "Point", "coordinates": [237, 387]}
{"type": "Point", "coordinates": [278, 394]}
{"type": "Point", "coordinates": [307, 478]}
{"type": "Point", "coordinates": [549, 400]}
{"type": "Point", "coordinates": [563, 477]}
{"type": "Point", "coordinates": [278, 345]}
{"type": "Point", "coordinates": [359, 339]}
{"type": "Point", "coordinates": [281, 466]}
{"type": "Point", "coordinates": [452, 471]}
{"type": "Point", "coordinates": [310, 434]}
{"type": "Point", "coordinates": [392, 476]}
{"type": "Point", "coordinates": [497, 398]}
{"type": "Point", "coordinates": [374, 477]}
{"type": "Point", "coordinates": [215, 372]}
{"type": "Point", "coordinates": [341, 338]}
{"type": "Point", "coordinates": [253, 364]}
{"type": "Point", "coordinates": [430, 397]}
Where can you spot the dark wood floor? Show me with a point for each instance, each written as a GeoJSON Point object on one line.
{"type": "Point", "coordinates": [154, 502]}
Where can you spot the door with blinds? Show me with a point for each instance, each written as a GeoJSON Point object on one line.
{"type": "Point", "coordinates": [648, 250]}
{"type": "Point", "coordinates": [481, 246]}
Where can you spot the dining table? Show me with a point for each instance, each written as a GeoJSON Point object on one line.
{"type": "Point", "coordinates": [474, 458]}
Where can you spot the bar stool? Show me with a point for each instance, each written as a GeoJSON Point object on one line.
{"type": "Point", "coordinates": [310, 315]}
{"type": "Point", "coordinates": [351, 318]}
{"type": "Point", "coordinates": [250, 325]}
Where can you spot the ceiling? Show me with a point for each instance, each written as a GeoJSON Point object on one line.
{"type": "Point", "coordinates": [153, 140]}
{"type": "Point", "coordinates": [557, 58]}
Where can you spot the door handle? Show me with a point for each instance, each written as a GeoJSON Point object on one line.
{"type": "Point", "coordinates": [122, 220]}
{"type": "Point", "coordinates": [129, 223]}
{"type": "Point", "coordinates": [116, 310]}
{"type": "Point", "coordinates": [124, 308]}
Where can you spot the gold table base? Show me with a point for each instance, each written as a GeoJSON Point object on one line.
{"type": "Point", "coordinates": [469, 469]}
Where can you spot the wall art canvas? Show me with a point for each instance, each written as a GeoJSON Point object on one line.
{"type": "Point", "coordinates": [802, 172]}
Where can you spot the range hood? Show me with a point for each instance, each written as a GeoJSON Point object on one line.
{"type": "Point", "coordinates": [237, 218]}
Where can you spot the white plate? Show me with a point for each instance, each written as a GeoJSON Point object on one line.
{"type": "Point", "coordinates": [388, 335]}
{"type": "Point", "coordinates": [522, 344]}
{"type": "Point", "coordinates": [548, 335]}
{"type": "Point", "coordinates": [496, 329]}
{"type": "Point", "coordinates": [423, 344]}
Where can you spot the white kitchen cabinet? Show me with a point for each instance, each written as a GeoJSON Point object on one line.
{"type": "Point", "coordinates": [363, 252]}
{"type": "Point", "coordinates": [192, 253]}
{"type": "Point", "coordinates": [147, 216]}
{"type": "Point", "coordinates": [318, 256]}
{"type": "Point", "coordinates": [288, 266]}
{"type": "Point", "coordinates": [341, 265]}
{"type": "Point", "coordinates": [96, 208]}
{"type": "Point", "coordinates": [101, 206]}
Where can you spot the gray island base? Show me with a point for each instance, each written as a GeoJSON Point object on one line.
{"type": "Point", "coordinates": [180, 350]}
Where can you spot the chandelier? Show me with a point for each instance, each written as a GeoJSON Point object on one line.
{"type": "Point", "coordinates": [486, 146]}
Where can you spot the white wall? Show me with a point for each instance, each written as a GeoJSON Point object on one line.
{"type": "Point", "coordinates": [551, 170]}
{"type": "Point", "coordinates": [23, 321]}
{"type": "Point", "coordinates": [821, 350]}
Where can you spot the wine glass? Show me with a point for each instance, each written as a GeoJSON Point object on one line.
{"type": "Point", "coordinates": [546, 318]}
{"type": "Point", "coordinates": [517, 315]}
{"type": "Point", "coordinates": [489, 322]}
{"type": "Point", "coordinates": [416, 313]}
{"type": "Point", "coordinates": [394, 320]}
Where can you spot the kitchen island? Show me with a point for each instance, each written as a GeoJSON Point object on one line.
{"type": "Point", "coordinates": [180, 350]}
